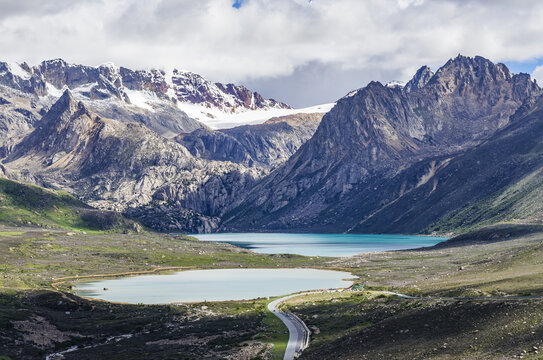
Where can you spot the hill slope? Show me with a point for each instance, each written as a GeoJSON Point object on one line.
{"type": "Point", "coordinates": [24, 204]}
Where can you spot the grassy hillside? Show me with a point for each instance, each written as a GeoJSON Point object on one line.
{"type": "Point", "coordinates": [29, 205]}
{"type": "Point", "coordinates": [521, 201]}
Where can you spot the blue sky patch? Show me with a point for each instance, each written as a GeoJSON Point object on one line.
{"type": "Point", "coordinates": [239, 3]}
{"type": "Point", "coordinates": [523, 66]}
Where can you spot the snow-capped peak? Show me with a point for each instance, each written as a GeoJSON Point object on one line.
{"type": "Point", "coordinates": [218, 119]}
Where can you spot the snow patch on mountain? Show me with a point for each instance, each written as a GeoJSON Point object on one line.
{"type": "Point", "coordinates": [150, 95]}
{"type": "Point", "coordinates": [143, 99]}
{"type": "Point", "coordinates": [217, 119]}
{"type": "Point", "coordinates": [395, 83]}
{"type": "Point", "coordinates": [17, 70]}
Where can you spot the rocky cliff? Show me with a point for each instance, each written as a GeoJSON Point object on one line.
{"type": "Point", "coordinates": [499, 180]}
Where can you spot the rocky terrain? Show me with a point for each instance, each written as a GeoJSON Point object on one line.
{"type": "Point", "coordinates": [18, 114]}
{"type": "Point", "coordinates": [101, 133]}
{"type": "Point", "coordinates": [376, 140]}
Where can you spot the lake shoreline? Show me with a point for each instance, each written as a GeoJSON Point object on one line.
{"type": "Point", "coordinates": [323, 245]}
{"type": "Point", "coordinates": [213, 285]}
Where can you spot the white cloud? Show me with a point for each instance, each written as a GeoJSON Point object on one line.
{"type": "Point", "coordinates": [538, 74]}
{"type": "Point", "coordinates": [271, 38]}
{"type": "Point", "coordinates": [406, 3]}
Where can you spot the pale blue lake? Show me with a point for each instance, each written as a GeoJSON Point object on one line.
{"type": "Point", "coordinates": [320, 244]}
{"type": "Point", "coordinates": [212, 285]}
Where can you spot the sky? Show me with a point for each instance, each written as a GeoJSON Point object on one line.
{"type": "Point", "coordinates": [297, 51]}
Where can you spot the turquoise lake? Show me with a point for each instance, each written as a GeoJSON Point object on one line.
{"type": "Point", "coordinates": [212, 285]}
{"type": "Point", "coordinates": [320, 244]}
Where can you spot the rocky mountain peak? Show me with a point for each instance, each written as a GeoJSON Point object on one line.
{"type": "Point", "coordinates": [421, 78]}
{"type": "Point", "coordinates": [66, 100]}
{"type": "Point", "coordinates": [193, 88]}
{"type": "Point", "coordinates": [108, 80]}
{"type": "Point", "coordinates": [59, 131]}
{"type": "Point", "coordinates": [168, 103]}
{"type": "Point", "coordinates": [469, 74]}
{"type": "Point", "coordinates": [64, 108]}
{"type": "Point", "coordinates": [22, 78]}
{"type": "Point", "coordinates": [151, 94]}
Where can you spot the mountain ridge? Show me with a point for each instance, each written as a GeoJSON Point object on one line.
{"type": "Point", "coordinates": [266, 145]}
{"type": "Point", "coordinates": [169, 103]}
{"type": "Point", "coordinates": [378, 147]}
{"type": "Point", "coordinates": [376, 132]}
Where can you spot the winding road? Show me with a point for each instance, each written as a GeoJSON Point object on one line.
{"type": "Point", "coordinates": [298, 338]}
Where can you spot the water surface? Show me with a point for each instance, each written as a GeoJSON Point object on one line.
{"type": "Point", "coordinates": [320, 244]}
{"type": "Point", "coordinates": [212, 285]}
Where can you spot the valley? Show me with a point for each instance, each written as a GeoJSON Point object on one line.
{"type": "Point", "coordinates": [271, 180]}
{"type": "Point", "coordinates": [496, 262]}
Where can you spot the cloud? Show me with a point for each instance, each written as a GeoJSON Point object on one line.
{"type": "Point", "coordinates": [538, 74]}
{"type": "Point", "coordinates": [267, 39]}
{"type": "Point", "coordinates": [318, 83]}
{"type": "Point", "coordinates": [406, 3]}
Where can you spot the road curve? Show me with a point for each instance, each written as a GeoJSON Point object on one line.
{"type": "Point", "coordinates": [299, 333]}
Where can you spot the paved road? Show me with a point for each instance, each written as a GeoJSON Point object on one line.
{"type": "Point", "coordinates": [298, 338]}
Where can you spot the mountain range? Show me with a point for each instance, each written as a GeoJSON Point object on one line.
{"type": "Point", "coordinates": [447, 151]}
{"type": "Point", "coordinates": [153, 97]}
{"type": "Point", "coordinates": [116, 138]}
